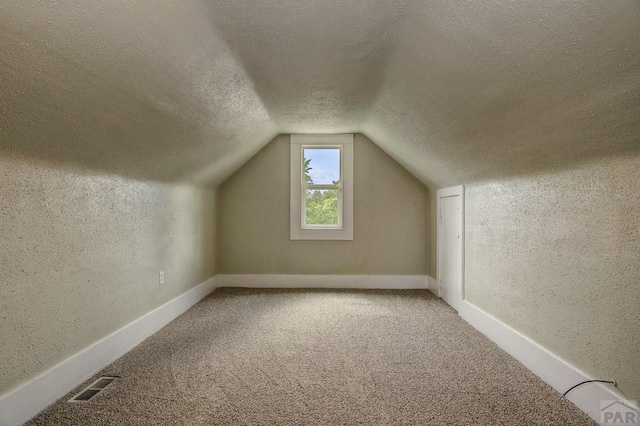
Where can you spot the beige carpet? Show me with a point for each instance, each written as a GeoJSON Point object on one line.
{"type": "Point", "coordinates": [313, 357]}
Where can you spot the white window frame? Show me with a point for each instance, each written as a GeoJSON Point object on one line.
{"type": "Point", "coordinates": [344, 230]}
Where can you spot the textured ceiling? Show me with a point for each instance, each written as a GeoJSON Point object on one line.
{"type": "Point", "coordinates": [189, 90]}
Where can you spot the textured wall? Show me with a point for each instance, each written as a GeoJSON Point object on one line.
{"type": "Point", "coordinates": [556, 256]}
{"type": "Point", "coordinates": [391, 209]}
{"type": "Point", "coordinates": [80, 255]}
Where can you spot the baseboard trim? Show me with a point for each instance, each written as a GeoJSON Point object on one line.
{"type": "Point", "coordinates": [432, 285]}
{"type": "Point", "coordinates": [324, 281]}
{"type": "Point", "coordinates": [23, 403]}
{"type": "Point", "coordinates": [549, 367]}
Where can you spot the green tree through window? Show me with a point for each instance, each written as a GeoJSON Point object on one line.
{"type": "Point", "coordinates": [321, 204]}
{"type": "Point", "coordinates": [321, 185]}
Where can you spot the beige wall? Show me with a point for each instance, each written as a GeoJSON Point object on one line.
{"type": "Point", "coordinates": [391, 210]}
{"type": "Point", "coordinates": [80, 255]}
{"type": "Point", "coordinates": [556, 257]}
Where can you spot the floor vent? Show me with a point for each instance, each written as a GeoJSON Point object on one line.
{"type": "Point", "coordinates": [93, 389]}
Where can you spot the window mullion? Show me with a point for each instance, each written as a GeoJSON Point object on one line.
{"type": "Point", "coordinates": [321, 187]}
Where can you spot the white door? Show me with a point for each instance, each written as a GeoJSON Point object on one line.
{"type": "Point", "coordinates": [450, 245]}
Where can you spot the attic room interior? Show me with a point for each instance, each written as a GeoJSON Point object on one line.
{"type": "Point", "coordinates": [304, 212]}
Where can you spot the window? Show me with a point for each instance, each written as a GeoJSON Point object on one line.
{"type": "Point", "coordinates": [321, 187]}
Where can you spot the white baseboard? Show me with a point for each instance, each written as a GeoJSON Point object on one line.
{"type": "Point", "coordinates": [324, 281]}
{"type": "Point", "coordinates": [432, 285]}
{"type": "Point", "coordinates": [546, 365]}
{"type": "Point", "coordinates": [21, 404]}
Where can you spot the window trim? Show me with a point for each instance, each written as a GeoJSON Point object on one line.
{"type": "Point", "coordinates": [319, 232]}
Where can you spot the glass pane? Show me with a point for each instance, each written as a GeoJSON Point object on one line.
{"type": "Point", "coordinates": [321, 207]}
{"type": "Point", "coordinates": [321, 165]}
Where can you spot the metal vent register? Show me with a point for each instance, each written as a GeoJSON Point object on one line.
{"type": "Point", "coordinates": [93, 389]}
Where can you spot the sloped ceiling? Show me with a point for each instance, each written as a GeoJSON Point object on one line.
{"type": "Point", "coordinates": [189, 90]}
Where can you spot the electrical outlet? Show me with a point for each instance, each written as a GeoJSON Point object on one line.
{"type": "Point", "coordinates": [161, 276]}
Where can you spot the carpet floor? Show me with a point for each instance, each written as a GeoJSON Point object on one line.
{"type": "Point", "coordinates": [318, 357]}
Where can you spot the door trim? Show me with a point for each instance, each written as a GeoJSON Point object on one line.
{"type": "Point", "coordinates": [454, 191]}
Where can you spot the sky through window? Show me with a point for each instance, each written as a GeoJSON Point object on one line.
{"type": "Point", "coordinates": [325, 164]}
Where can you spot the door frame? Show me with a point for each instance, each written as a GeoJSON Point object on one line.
{"type": "Point", "coordinates": [445, 193]}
